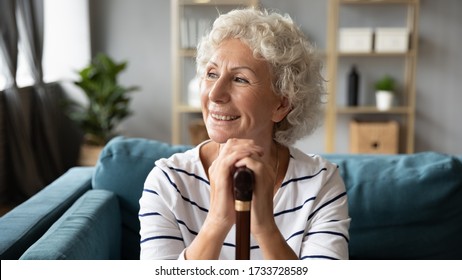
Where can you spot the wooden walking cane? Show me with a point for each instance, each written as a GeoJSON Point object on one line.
{"type": "Point", "coordinates": [243, 188]}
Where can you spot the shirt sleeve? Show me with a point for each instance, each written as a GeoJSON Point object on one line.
{"type": "Point", "coordinates": [326, 236]}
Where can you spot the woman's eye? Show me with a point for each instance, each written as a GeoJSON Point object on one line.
{"type": "Point", "coordinates": [241, 80]}
{"type": "Point", "coordinates": [211, 75]}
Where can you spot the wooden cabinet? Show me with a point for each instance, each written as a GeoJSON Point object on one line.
{"type": "Point", "coordinates": [189, 19]}
{"type": "Point", "coordinates": [374, 15]}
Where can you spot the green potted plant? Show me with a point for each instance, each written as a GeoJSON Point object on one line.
{"type": "Point", "coordinates": [108, 104]}
{"type": "Point", "coordinates": [108, 101]}
{"type": "Point", "coordinates": [384, 93]}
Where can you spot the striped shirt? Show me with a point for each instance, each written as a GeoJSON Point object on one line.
{"type": "Point", "coordinates": [310, 208]}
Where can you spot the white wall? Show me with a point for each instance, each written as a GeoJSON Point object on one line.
{"type": "Point", "coordinates": [439, 74]}
{"type": "Point", "coordinates": [139, 31]}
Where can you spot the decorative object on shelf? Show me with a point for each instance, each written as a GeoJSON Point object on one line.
{"type": "Point", "coordinates": [108, 101]}
{"type": "Point", "coordinates": [353, 86]}
{"type": "Point", "coordinates": [392, 40]}
{"type": "Point", "coordinates": [384, 93]}
{"type": "Point", "coordinates": [191, 30]}
{"type": "Point", "coordinates": [374, 137]}
{"type": "Point", "coordinates": [194, 97]}
{"type": "Point", "coordinates": [184, 38]}
{"type": "Point", "coordinates": [355, 40]}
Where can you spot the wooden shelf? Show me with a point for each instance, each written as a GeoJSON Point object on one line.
{"type": "Point", "coordinates": [375, 54]}
{"type": "Point", "coordinates": [406, 111]}
{"type": "Point", "coordinates": [216, 2]}
{"type": "Point", "coordinates": [188, 109]}
{"type": "Point", "coordinates": [372, 110]}
{"type": "Point", "coordinates": [372, 2]}
{"type": "Point", "coordinates": [187, 52]}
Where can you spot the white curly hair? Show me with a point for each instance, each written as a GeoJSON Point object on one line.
{"type": "Point", "coordinates": [295, 66]}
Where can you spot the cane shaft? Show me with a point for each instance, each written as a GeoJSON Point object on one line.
{"type": "Point", "coordinates": [243, 188]}
{"type": "Point", "coordinates": [242, 235]}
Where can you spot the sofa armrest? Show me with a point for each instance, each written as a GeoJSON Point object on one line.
{"type": "Point", "coordinates": [90, 229]}
{"type": "Point", "coordinates": [26, 223]}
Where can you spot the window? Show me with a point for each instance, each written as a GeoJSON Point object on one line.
{"type": "Point", "coordinates": [66, 45]}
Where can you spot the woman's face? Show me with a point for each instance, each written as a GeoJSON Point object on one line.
{"type": "Point", "coordinates": [237, 97]}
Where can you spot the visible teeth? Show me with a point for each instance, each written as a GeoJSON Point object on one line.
{"type": "Point", "coordinates": [224, 118]}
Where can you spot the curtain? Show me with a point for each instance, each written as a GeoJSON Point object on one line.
{"type": "Point", "coordinates": [40, 143]}
{"type": "Point", "coordinates": [8, 50]}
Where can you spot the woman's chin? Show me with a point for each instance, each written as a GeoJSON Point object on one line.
{"type": "Point", "coordinates": [221, 137]}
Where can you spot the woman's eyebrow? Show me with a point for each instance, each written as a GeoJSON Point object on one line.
{"type": "Point", "coordinates": [236, 67]}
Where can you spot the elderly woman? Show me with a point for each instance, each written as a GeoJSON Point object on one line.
{"type": "Point", "coordinates": [261, 90]}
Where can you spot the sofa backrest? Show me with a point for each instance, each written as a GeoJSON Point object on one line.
{"type": "Point", "coordinates": [122, 168]}
{"type": "Point", "coordinates": [403, 206]}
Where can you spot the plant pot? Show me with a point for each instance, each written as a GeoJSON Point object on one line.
{"type": "Point", "coordinates": [384, 100]}
{"type": "Point", "coordinates": [89, 154]}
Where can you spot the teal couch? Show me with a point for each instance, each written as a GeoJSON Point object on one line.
{"type": "Point", "coordinates": [402, 206]}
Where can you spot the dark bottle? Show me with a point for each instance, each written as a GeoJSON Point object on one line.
{"type": "Point", "coordinates": [353, 87]}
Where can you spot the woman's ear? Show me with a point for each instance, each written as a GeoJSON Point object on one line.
{"type": "Point", "coordinates": [282, 110]}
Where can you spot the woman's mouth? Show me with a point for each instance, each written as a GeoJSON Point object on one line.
{"type": "Point", "coordinates": [224, 117]}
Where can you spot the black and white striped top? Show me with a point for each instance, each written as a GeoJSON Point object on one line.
{"type": "Point", "coordinates": [310, 208]}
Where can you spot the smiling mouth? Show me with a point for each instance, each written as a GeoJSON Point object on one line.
{"type": "Point", "coordinates": [224, 118]}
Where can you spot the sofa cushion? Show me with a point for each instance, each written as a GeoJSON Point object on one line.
{"type": "Point", "coordinates": [122, 168]}
{"type": "Point", "coordinates": [26, 223]}
{"type": "Point", "coordinates": [403, 206]}
{"type": "Point", "coordinates": [91, 227]}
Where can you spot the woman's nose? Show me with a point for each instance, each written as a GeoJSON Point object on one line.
{"type": "Point", "coordinates": [220, 91]}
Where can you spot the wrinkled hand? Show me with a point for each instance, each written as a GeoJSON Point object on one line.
{"type": "Point", "coordinates": [221, 216]}
{"type": "Point", "coordinates": [236, 153]}
{"type": "Point", "coordinates": [221, 179]}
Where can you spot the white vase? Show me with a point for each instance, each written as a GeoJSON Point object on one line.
{"type": "Point", "coordinates": [194, 97]}
{"type": "Point", "coordinates": [384, 100]}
